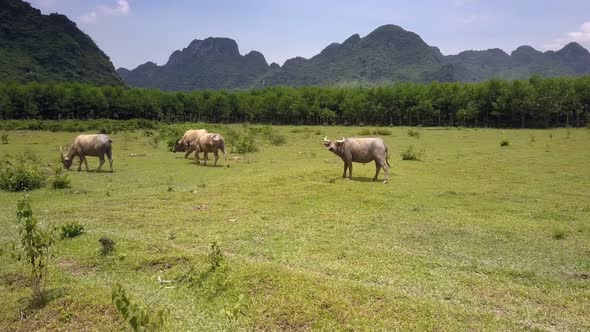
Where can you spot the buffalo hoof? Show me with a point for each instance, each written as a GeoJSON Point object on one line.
{"type": "Point", "coordinates": [227, 166]}
{"type": "Point", "coordinates": [385, 182]}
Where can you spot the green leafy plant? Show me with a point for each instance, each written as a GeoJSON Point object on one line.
{"type": "Point", "coordinates": [215, 256]}
{"type": "Point", "coordinates": [21, 172]}
{"type": "Point", "coordinates": [34, 246]}
{"type": "Point", "coordinates": [71, 229]}
{"type": "Point", "coordinates": [106, 245]}
{"type": "Point", "coordinates": [4, 138]}
{"type": "Point", "coordinates": [414, 133]}
{"type": "Point", "coordinates": [504, 142]}
{"type": "Point", "coordinates": [246, 144]}
{"type": "Point", "coordinates": [277, 139]}
{"type": "Point", "coordinates": [60, 180]}
{"type": "Point", "coordinates": [135, 312]}
{"type": "Point", "coordinates": [411, 154]}
{"type": "Point", "coordinates": [233, 312]}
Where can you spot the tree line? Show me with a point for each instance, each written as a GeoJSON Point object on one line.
{"type": "Point", "coordinates": [533, 103]}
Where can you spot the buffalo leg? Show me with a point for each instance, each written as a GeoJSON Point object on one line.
{"type": "Point", "coordinates": [197, 160]}
{"type": "Point", "coordinates": [188, 151]}
{"type": "Point", "coordinates": [101, 159]}
{"type": "Point", "coordinates": [345, 167]}
{"type": "Point", "coordinates": [86, 164]}
{"type": "Point", "coordinates": [216, 158]}
{"type": "Point", "coordinates": [377, 169]}
{"type": "Point", "coordinates": [385, 170]}
{"type": "Point", "coordinates": [205, 158]}
{"type": "Point", "coordinates": [350, 170]}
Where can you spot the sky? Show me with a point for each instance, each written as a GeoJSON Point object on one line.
{"type": "Point", "coordinates": [132, 32]}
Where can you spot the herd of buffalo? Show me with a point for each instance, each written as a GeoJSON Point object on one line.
{"type": "Point", "coordinates": [359, 150]}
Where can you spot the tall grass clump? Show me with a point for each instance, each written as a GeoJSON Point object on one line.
{"type": "Point", "coordinates": [33, 247]}
{"type": "Point", "coordinates": [365, 132]}
{"type": "Point", "coordinates": [71, 229]}
{"type": "Point", "coordinates": [411, 154]}
{"type": "Point", "coordinates": [504, 142]}
{"type": "Point", "coordinates": [277, 139]}
{"type": "Point", "coordinates": [21, 172]}
{"type": "Point", "coordinates": [135, 312]}
{"type": "Point", "coordinates": [414, 133]}
{"type": "Point", "coordinates": [60, 180]}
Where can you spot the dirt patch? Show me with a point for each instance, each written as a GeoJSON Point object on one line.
{"type": "Point", "coordinates": [15, 280]}
{"type": "Point", "coordinates": [75, 268]}
{"type": "Point", "coordinates": [161, 263]}
{"type": "Point", "coordinates": [202, 207]}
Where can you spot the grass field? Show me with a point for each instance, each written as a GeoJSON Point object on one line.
{"type": "Point", "coordinates": [473, 237]}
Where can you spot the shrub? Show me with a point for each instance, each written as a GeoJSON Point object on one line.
{"type": "Point", "coordinates": [382, 131]}
{"type": "Point", "coordinates": [410, 154]}
{"type": "Point", "coordinates": [34, 246]}
{"type": "Point", "coordinates": [71, 229]}
{"type": "Point", "coordinates": [215, 256]}
{"type": "Point", "coordinates": [4, 138]}
{"type": "Point", "coordinates": [504, 142]}
{"type": "Point", "coordinates": [246, 144]}
{"type": "Point", "coordinates": [277, 139]}
{"type": "Point", "coordinates": [137, 313]}
{"type": "Point", "coordinates": [365, 132]}
{"type": "Point", "coordinates": [106, 245]}
{"type": "Point", "coordinates": [21, 173]}
{"type": "Point", "coordinates": [414, 133]}
{"type": "Point", "coordinates": [60, 179]}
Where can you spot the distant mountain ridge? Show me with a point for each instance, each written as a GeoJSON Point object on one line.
{"type": "Point", "coordinates": [37, 48]}
{"type": "Point", "coordinates": [386, 55]}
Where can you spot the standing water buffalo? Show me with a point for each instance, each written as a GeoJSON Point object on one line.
{"type": "Point", "coordinates": [360, 150]}
{"type": "Point", "coordinates": [206, 143]}
{"type": "Point", "coordinates": [189, 136]}
{"type": "Point", "coordinates": [88, 145]}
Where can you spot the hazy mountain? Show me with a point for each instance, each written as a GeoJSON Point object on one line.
{"type": "Point", "coordinates": [37, 48]}
{"type": "Point", "coordinates": [213, 63]}
{"type": "Point", "coordinates": [388, 54]}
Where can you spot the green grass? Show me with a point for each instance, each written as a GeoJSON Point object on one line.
{"type": "Point", "coordinates": [476, 237]}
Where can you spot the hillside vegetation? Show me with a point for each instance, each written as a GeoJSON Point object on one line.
{"type": "Point", "coordinates": [42, 48]}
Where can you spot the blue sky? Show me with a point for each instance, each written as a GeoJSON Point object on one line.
{"type": "Point", "coordinates": [133, 32]}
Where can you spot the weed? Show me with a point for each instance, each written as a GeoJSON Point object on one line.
{"type": "Point", "coordinates": [4, 138]}
{"type": "Point", "coordinates": [414, 133]}
{"type": "Point", "coordinates": [71, 229]}
{"type": "Point", "coordinates": [559, 233]}
{"type": "Point", "coordinates": [277, 139]}
{"type": "Point", "coordinates": [106, 245]}
{"type": "Point", "coordinates": [34, 246]}
{"type": "Point", "coordinates": [504, 142]}
{"type": "Point", "coordinates": [60, 179]}
{"type": "Point", "coordinates": [215, 256]}
{"type": "Point", "coordinates": [246, 144]}
{"type": "Point", "coordinates": [234, 312]}
{"type": "Point", "coordinates": [137, 313]}
{"type": "Point", "coordinates": [21, 173]}
{"type": "Point", "coordinates": [410, 154]}
{"type": "Point", "coordinates": [155, 141]}
{"type": "Point", "coordinates": [532, 138]}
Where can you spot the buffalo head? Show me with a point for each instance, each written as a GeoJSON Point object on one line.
{"type": "Point", "coordinates": [332, 145]}
{"type": "Point", "coordinates": [66, 161]}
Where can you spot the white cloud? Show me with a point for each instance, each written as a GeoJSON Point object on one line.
{"type": "Point", "coordinates": [121, 8]}
{"type": "Point", "coordinates": [581, 36]}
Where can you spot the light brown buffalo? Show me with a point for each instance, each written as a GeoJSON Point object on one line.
{"type": "Point", "coordinates": [189, 136]}
{"type": "Point", "coordinates": [207, 143]}
{"type": "Point", "coordinates": [97, 145]}
{"type": "Point", "coordinates": [360, 150]}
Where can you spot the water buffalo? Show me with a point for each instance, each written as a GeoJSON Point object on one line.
{"type": "Point", "coordinates": [206, 143]}
{"type": "Point", "coordinates": [88, 145]}
{"type": "Point", "coordinates": [360, 150]}
{"type": "Point", "coordinates": [189, 136]}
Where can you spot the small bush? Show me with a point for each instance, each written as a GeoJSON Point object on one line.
{"type": "Point", "coordinates": [277, 139]}
{"type": "Point", "coordinates": [106, 245]}
{"type": "Point", "coordinates": [71, 229]}
{"type": "Point", "coordinates": [382, 131]}
{"type": "Point", "coordinates": [414, 133]}
{"type": "Point", "coordinates": [4, 138]}
{"type": "Point", "coordinates": [365, 132]}
{"type": "Point", "coordinates": [60, 179]}
{"type": "Point", "coordinates": [21, 173]}
{"type": "Point", "coordinates": [215, 256]}
{"type": "Point", "coordinates": [504, 142]}
{"type": "Point", "coordinates": [559, 233]}
{"type": "Point", "coordinates": [410, 154]}
{"type": "Point", "coordinates": [137, 313]}
{"type": "Point", "coordinates": [246, 144]}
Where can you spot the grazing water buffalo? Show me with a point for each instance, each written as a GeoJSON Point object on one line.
{"type": "Point", "coordinates": [189, 136]}
{"type": "Point", "coordinates": [360, 150]}
{"type": "Point", "coordinates": [209, 142]}
{"type": "Point", "coordinates": [88, 145]}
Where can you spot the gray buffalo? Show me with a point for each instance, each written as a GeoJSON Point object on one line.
{"type": "Point", "coordinates": [360, 150]}
{"type": "Point", "coordinates": [97, 145]}
{"type": "Point", "coordinates": [189, 136]}
{"type": "Point", "coordinates": [207, 143]}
